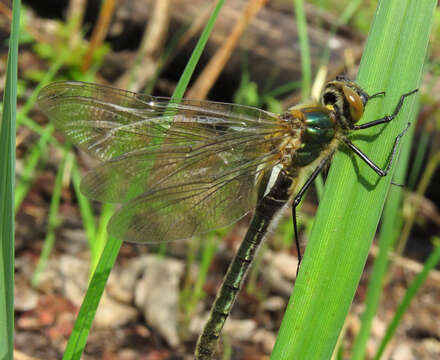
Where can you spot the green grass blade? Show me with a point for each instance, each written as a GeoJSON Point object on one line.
{"type": "Point", "coordinates": [52, 221]}
{"type": "Point", "coordinates": [85, 207]}
{"type": "Point", "coordinates": [343, 19]}
{"type": "Point", "coordinates": [354, 196]}
{"type": "Point", "coordinates": [33, 157]}
{"type": "Point", "coordinates": [7, 182]}
{"type": "Point", "coordinates": [425, 179]}
{"type": "Point", "coordinates": [209, 249]}
{"type": "Point", "coordinates": [416, 167]}
{"type": "Point", "coordinates": [48, 77]}
{"type": "Point", "coordinates": [391, 226]}
{"type": "Point", "coordinates": [306, 66]}
{"type": "Point", "coordinates": [197, 52]}
{"type": "Point", "coordinates": [83, 323]}
{"type": "Point", "coordinates": [101, 236]}
{"type": "Point", "coordinates": [419, 280]}
{"type": "Point", "coordinates": [78, 338]}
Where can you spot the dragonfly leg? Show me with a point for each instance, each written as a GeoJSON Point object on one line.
{"type": "Point", "coordinates": [397, 184]}
{"type": "Point", "coordinates": [369, 162]}
{"type": "Point", "coordinates": [297, 200]}
{"type": "Point", "coordinates": [295, 232]}
{"type": "Point", "coordinates": [386, 118]}
{"type": "Point", "coordinates": [375, 95]}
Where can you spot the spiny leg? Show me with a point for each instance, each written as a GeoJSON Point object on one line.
{"type": "Point", "coordinates": [375, 95]}
{"type": "Point", "coordinates": [386, 118]}
{"type": "Point", "coordinates": [396, 184]}
{"type": "Point", "coordinates": [295, 231]}
{"type": "Point", "coordinates": [370, 162]}
{"type": "Point", "coordinates": [297, 200]}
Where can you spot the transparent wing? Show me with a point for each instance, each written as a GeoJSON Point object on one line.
{"type": "Point", "coordinates": [107, 122]}
{"type": "Point", "coordinates": [179, 169]}
{"type": "Point", "coordinates": [183, 211]}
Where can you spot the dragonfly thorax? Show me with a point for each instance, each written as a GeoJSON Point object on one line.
{"type": "Point", "coordinates": [315, 128]}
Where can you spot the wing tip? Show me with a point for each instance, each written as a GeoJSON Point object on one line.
{"type": "Point", "coordinates": [55, 90]}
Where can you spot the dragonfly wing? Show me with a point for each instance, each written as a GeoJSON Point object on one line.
{"type": "Point", "coordinates": [99, 119]}
{"type": "Point", "coordinates": [180, 212]}
{"type": "Point", "coordinates": [89, 114]}
{"type": "Point", "coordinates": [209, 161]}
{"type": "Point", "coordinates": [145, 148]}
{"type": "Point", "coordinates": [179, 169]}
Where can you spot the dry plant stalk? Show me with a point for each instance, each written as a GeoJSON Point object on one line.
{"type": "Point", "coordinates": [75, 14]}
{"type": "Point", "coordinates": [99, 31]}
{"type": "Point", "coordinates": [213, 69]}
{"type": "Point", "coordinates": [147, 59]}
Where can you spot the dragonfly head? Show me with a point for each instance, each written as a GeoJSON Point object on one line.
{"type": "Point", "coordinates": [346, 99]}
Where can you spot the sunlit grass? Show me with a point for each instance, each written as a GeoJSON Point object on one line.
{"type": "Point", "coordinates": [354, 196]}
{"type": "Point", "coordinates": [7, 184]}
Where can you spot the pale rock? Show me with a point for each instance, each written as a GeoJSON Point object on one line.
{"type": "Point", "coordinates": [111, 313]}
{"type": "Point", "coordinates": [286, 264]}
{"type": "Point", "coordinates": [123, 278]}
{"type": "Point", "coordinates": [274, 303]}
{"type": "Point", "coordinates": [157, 295]}
{"type": "Point", "coordinates": [242, 330]}
{"type": "Point", "coordinates": [402, 351]}
{"type": "Point", "coordinates": [275, 281]}
{"type": "Point", "coordinates": [25, 298]}
{"type": "Point", "coordinates": [265, 338]}
{"type": "Point", "coordinates": [75, 274]}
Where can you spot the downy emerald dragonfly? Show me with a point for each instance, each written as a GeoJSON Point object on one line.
{"type": "Point", "coordinates": [180, 169]}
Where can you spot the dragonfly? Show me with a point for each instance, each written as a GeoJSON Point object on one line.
{"type": "Point", "coordinates": [180, 169]}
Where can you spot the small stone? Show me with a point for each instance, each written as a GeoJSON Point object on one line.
{"type": "Point", "coordinates": [402, 352]}
{"type": "Point", "coordinates": [276, 281]}
{"type": "Point", "coordinates": [274, 303]}
{"type": "Point", "coordinates": [75, 273]}
{"type": "Point", "coordinates": [242, 330]}
{"type": "Point", "coordinates": [25, 298]}
{"type": "Point", "coordinates": [111, 313]}
{"type": "Point", "coordinates": [286, 264]}
{"type": "Point", "coordinates": [265, 338]}
{"type": "Point", "coordinates": [157, 295]}
{"type": "Point", "coordinates": [123, 279]}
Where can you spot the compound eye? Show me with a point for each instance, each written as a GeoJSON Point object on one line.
{"type": "Point", "coordinates": [355, 103]}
